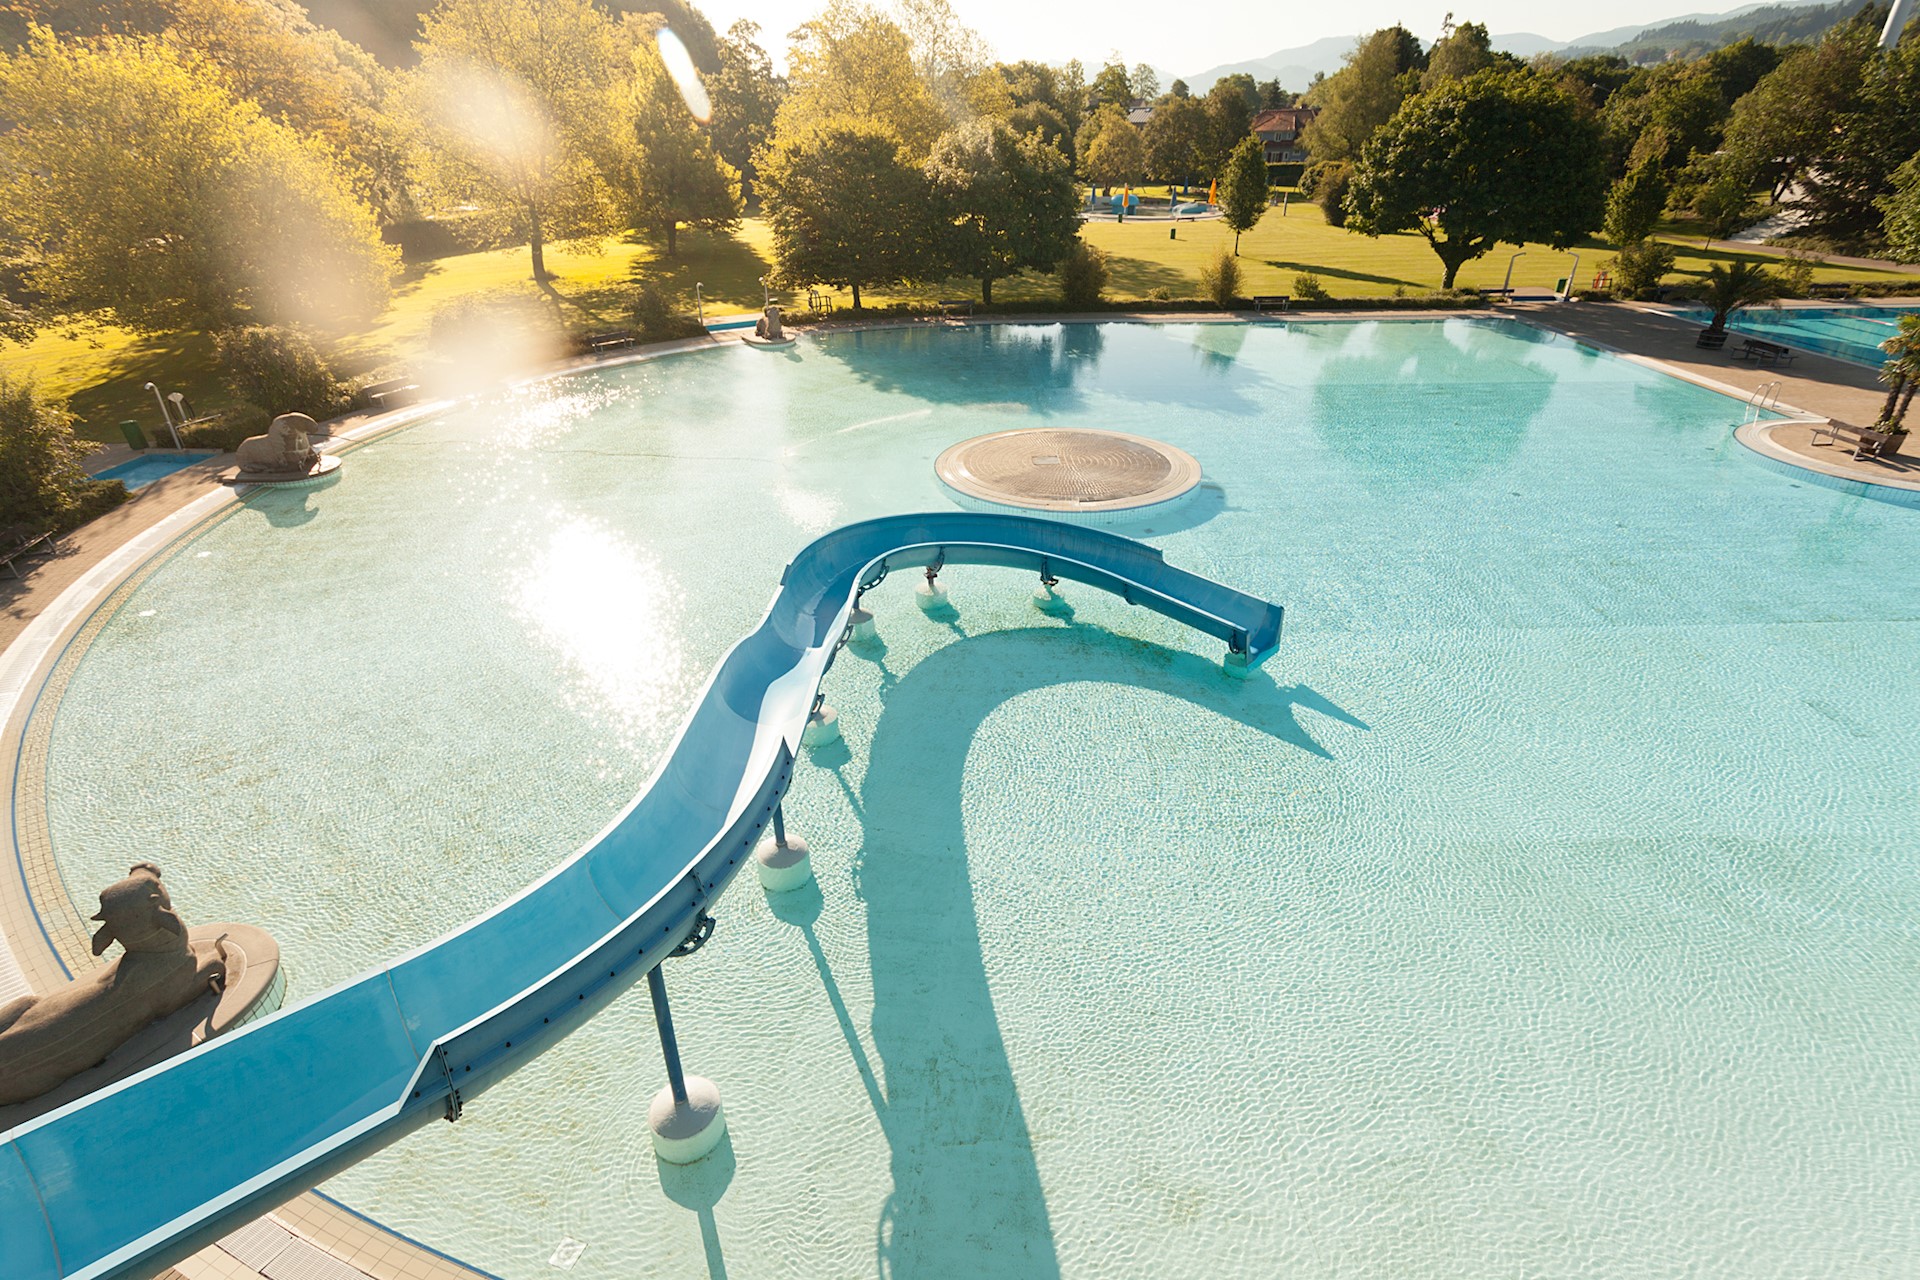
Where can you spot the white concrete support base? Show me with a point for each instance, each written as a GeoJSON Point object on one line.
{"type": "Point", "coordinates": [683, 1132]}
{"type": "Point", "coordinates": [823, 728]}
{"type": "Point", "coordinates": [1236, 666]}
{"type": "Point", "coordinates": [783, 866]}
{"type": "Point", "coordinates": [1049, 601]}
{"type": "Point", "coordinates": [863, 628]}
{"type": "Point", "coordinates": [931, 597]}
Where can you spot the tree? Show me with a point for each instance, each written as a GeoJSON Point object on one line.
{"type": "Point", "coordinates": [1178, 139]}
{"type": "Point", "coordinates": [851, 61]}
{"type": "Point", "coordinates": [1635, 204]}
{"type": "Point", "coordinates": [1008, 203]}
{"type": "Point", "coordinates": [224, 216]}
{"type": "Point", "coordinates": [847, 208]}
{"type": "Point", "coordinates": [746, 98]}
{"type": "Point", "coordinates": [1273, 97]}
{"type": "Point", "coordinates": [1499, 156]}
{"type": "Point", "coordinates": [1782, 128]}
{"type": "Point", "coordinates": [1722, 200]}
{"type": "Point", "coordinates": [40, 460]}
{"type": "Point", "coordinates": [518, 96]}
{"type": "Point", "coordinates": [1868, 145]}
{"type": "Point", "coordinates": [1362, 96]}
{"type": "Point", "coordinates": [1243, 188]}
{"type": "Point", "coordinates": [1731, 287]}
{"type": "Point", "coordinates": [1900, 213]}
{"type": "Point", "coordinates": [1113, 87]}
{"type": "Point", "coordinates": [1229, 119]}
{"type": "Point", "coordinates": [1115, 155]}
{"type": "Point", "coordinates": [1458, 54]}
{"type": "Point", "coordinates": [1179, 89]}
{"type": "Point", "coordinates": [1040, 118]}
{"type": "Point", "coordinates": [1145, 82]}
{"type": "Point", "coordinates": [949, 56]}
{"type": "Point", "coordinates": [677, 178]}
{"type": "Point", "coordinates": [1901, 373]}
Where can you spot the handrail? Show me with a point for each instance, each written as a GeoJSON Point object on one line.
{"type": "Point", "coordinates": [141, 1174]}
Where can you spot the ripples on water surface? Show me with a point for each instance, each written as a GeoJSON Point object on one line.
{"type": "Point", "coordinates": [1550, 911]}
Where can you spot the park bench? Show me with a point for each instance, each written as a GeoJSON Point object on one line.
{"type": "Point", "coordinates": [956, 306]}
{"type": "Point", "coordinates": [609, 339]}
{"type": "Point", "coordinates": [390, 394]}
{"type": "Point", "coordinates": [1765, 352]}
{"type": "Point", "coordinates": [1272, 301]}
{"type": "Point", "coordinates": [819, 303]}
{"type": "Point", "coordinates": [19, 542]}
{"type": "Point", "coordinates": [1866, 442]}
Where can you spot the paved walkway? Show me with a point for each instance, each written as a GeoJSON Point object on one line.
{"type": "Point", "coordinates": [1812, 386]}
{"type": "Point", "coordinates": [1830, 259]}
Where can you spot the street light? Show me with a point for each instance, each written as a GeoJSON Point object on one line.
{"type": "Point", "coordinates": [1506, 286]}
{"type": "Point", "coordinates": [164, 415]}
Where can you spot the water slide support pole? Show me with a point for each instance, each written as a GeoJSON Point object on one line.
{"type": "Point", "coordinates": [669, 1047]}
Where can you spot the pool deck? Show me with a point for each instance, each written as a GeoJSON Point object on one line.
{"type": "Point", "coordinates": [319, 1238]}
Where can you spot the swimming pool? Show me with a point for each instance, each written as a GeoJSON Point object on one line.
{"type": "Point", "coordinates": [1852, 333]}
{"type": "Point", "coordinates": [1548, 911]}
{"type": "Point", "coordinates": [148, 467]}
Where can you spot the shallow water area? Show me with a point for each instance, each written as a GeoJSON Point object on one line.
{"type": "Point", "coordinates": [1544, 908]}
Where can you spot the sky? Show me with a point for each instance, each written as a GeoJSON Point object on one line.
{"type": "Point", "coordinates": [1182, 39]}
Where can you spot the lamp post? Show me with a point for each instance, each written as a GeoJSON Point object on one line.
{"type": "Point", "coordinates": [766, 296]}
{"type": "Point", "coordinates": [164, 415]}
{"type": "Point", "coordinates": [1506, 286]}
{"type": "Point", "coordinates": [699, 305]}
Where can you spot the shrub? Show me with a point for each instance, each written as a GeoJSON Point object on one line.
{"type": "Point", "coordinates": [1220, 280]}
{"type": "Point", "coordinates": [1796, 274]}
{"type": "Point", "coordinates": [1307, 287]}
{"type": "Point", "coordinates": [279, 370]}
{"type": "Point", "coordinates": [41, 478]}
{"type": "Point", "coordinates": [1330, 180]}
{"type": "Point", "coordinates": [656, 318]}
{"type": "Point", "coordinates": [225, 429]}
{"type": "Point", "coordinates": [1083, 275]}
{"type": "Point", "coordinates": [1159, 293]}
{"type": "Point", "coordinates": [1638, 268]}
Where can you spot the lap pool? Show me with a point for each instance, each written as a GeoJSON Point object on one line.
{"type": "Point", "coordinates": [1546, 907]}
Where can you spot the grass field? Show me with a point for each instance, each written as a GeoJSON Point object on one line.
{"type": "Point", "coordinates": [103, 369]}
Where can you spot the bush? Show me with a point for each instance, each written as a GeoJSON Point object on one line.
{"type": "Point", "coordinates": [41, 478]}
{"type": "Point", "coordinates": [656, 318]}
{"type": "Point", "coordinates": [279, 370]}
{"type": "Point", "coordinates": [225, 429]}
{"type": "Point", "coordinates": [1220, 280]}
{"type": "Point", "coordinates": [1307, 287]}
{"type": "Point", "coordinates": [1326, 183]}
{"type": "Point", "coordinates": [1638, 268]}
{"type": "Point", "coordinates": [1796, 274]}
{"type": "Point", "coordinates": [1083, 275]}
{"type": "Point", "coordinates": [485, 341]}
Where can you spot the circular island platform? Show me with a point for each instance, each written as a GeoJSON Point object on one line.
{"type": "Point", "coordinates": [1068, 471]}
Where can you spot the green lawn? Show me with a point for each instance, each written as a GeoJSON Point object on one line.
{"type": "Point", "coordinates": [103, 369]}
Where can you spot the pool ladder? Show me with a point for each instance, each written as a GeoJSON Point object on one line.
{"type": "Point", "coordinates": [1765, 396]}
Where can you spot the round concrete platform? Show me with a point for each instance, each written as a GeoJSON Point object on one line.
{"type": "Point", "coordinates": [1068, 470]}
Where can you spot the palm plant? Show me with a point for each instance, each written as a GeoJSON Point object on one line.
{"type": "Point", "coordinates": [1901, 373]}
{"type": "Point", "coordinates": [1733, 287]}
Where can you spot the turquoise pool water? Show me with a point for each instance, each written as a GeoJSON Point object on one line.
{"type": "Point", "coordinates": [148, 467]}
{"type": "Point", "coordinates": [1548, 911]}
{"type": "Point", "coordinates": [1852, 333]}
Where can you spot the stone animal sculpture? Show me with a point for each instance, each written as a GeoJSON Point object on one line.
{"type": "Point", "coordinates": [768, 326]}
{"type": "Point", "coordinates": [284, 450]}
{"type": "Point", "coordinates": [46, 1040]}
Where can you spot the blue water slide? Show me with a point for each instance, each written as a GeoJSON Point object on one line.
{"type": "Point", "coordinates": [133, 1178]}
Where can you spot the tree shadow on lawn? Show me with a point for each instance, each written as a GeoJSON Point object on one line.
{"type": "Point", "coordinates": [727, 269]}
{"type": "Point", "coordinates": [180, 362]}
{"type": "Point", "coordinates": [1338, 273]}
{"type": "Point", "coordinates": [1139, 277]}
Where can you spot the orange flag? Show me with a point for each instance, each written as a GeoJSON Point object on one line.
{"type": "Point", "coordinates": [1210, 189]}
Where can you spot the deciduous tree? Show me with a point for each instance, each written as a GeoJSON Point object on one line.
{"type": "Point", "coordinates": [1178, 139]}
{"type": "Point", "coordinates": [847, 208]}
{"type": "Point", "coordinates": [1635, 204]}
{"type": "Point", "coordinates": [677, 178]}
{"type": "Point", "coordinates": [1243, 187]}
{"type": "Point", "coordinates": [1115, 154]}
{"type": "Point", "coordinates": [1499, 156]}
{"type": "Point", "coordinates": [1362, 96]}
{"type": "Point", "coordinates": [1007, 203]}
{"type": "Point", "coordinates": [518, 97]}
{"type": "Point", "coordinates": [852, 61]}
{"type": "Point", "coordinates": [134, 183]}
{"type": "Point", "coordinates": [1229, 119]}
{"type": "Point", "coordinates": [746, 97]}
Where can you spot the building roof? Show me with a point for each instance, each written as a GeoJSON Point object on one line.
{"type": "Point", "coordinates": [1284, 119]}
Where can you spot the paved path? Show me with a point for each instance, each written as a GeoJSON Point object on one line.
{"type": "Point", "coordinates": [1777, 251]}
